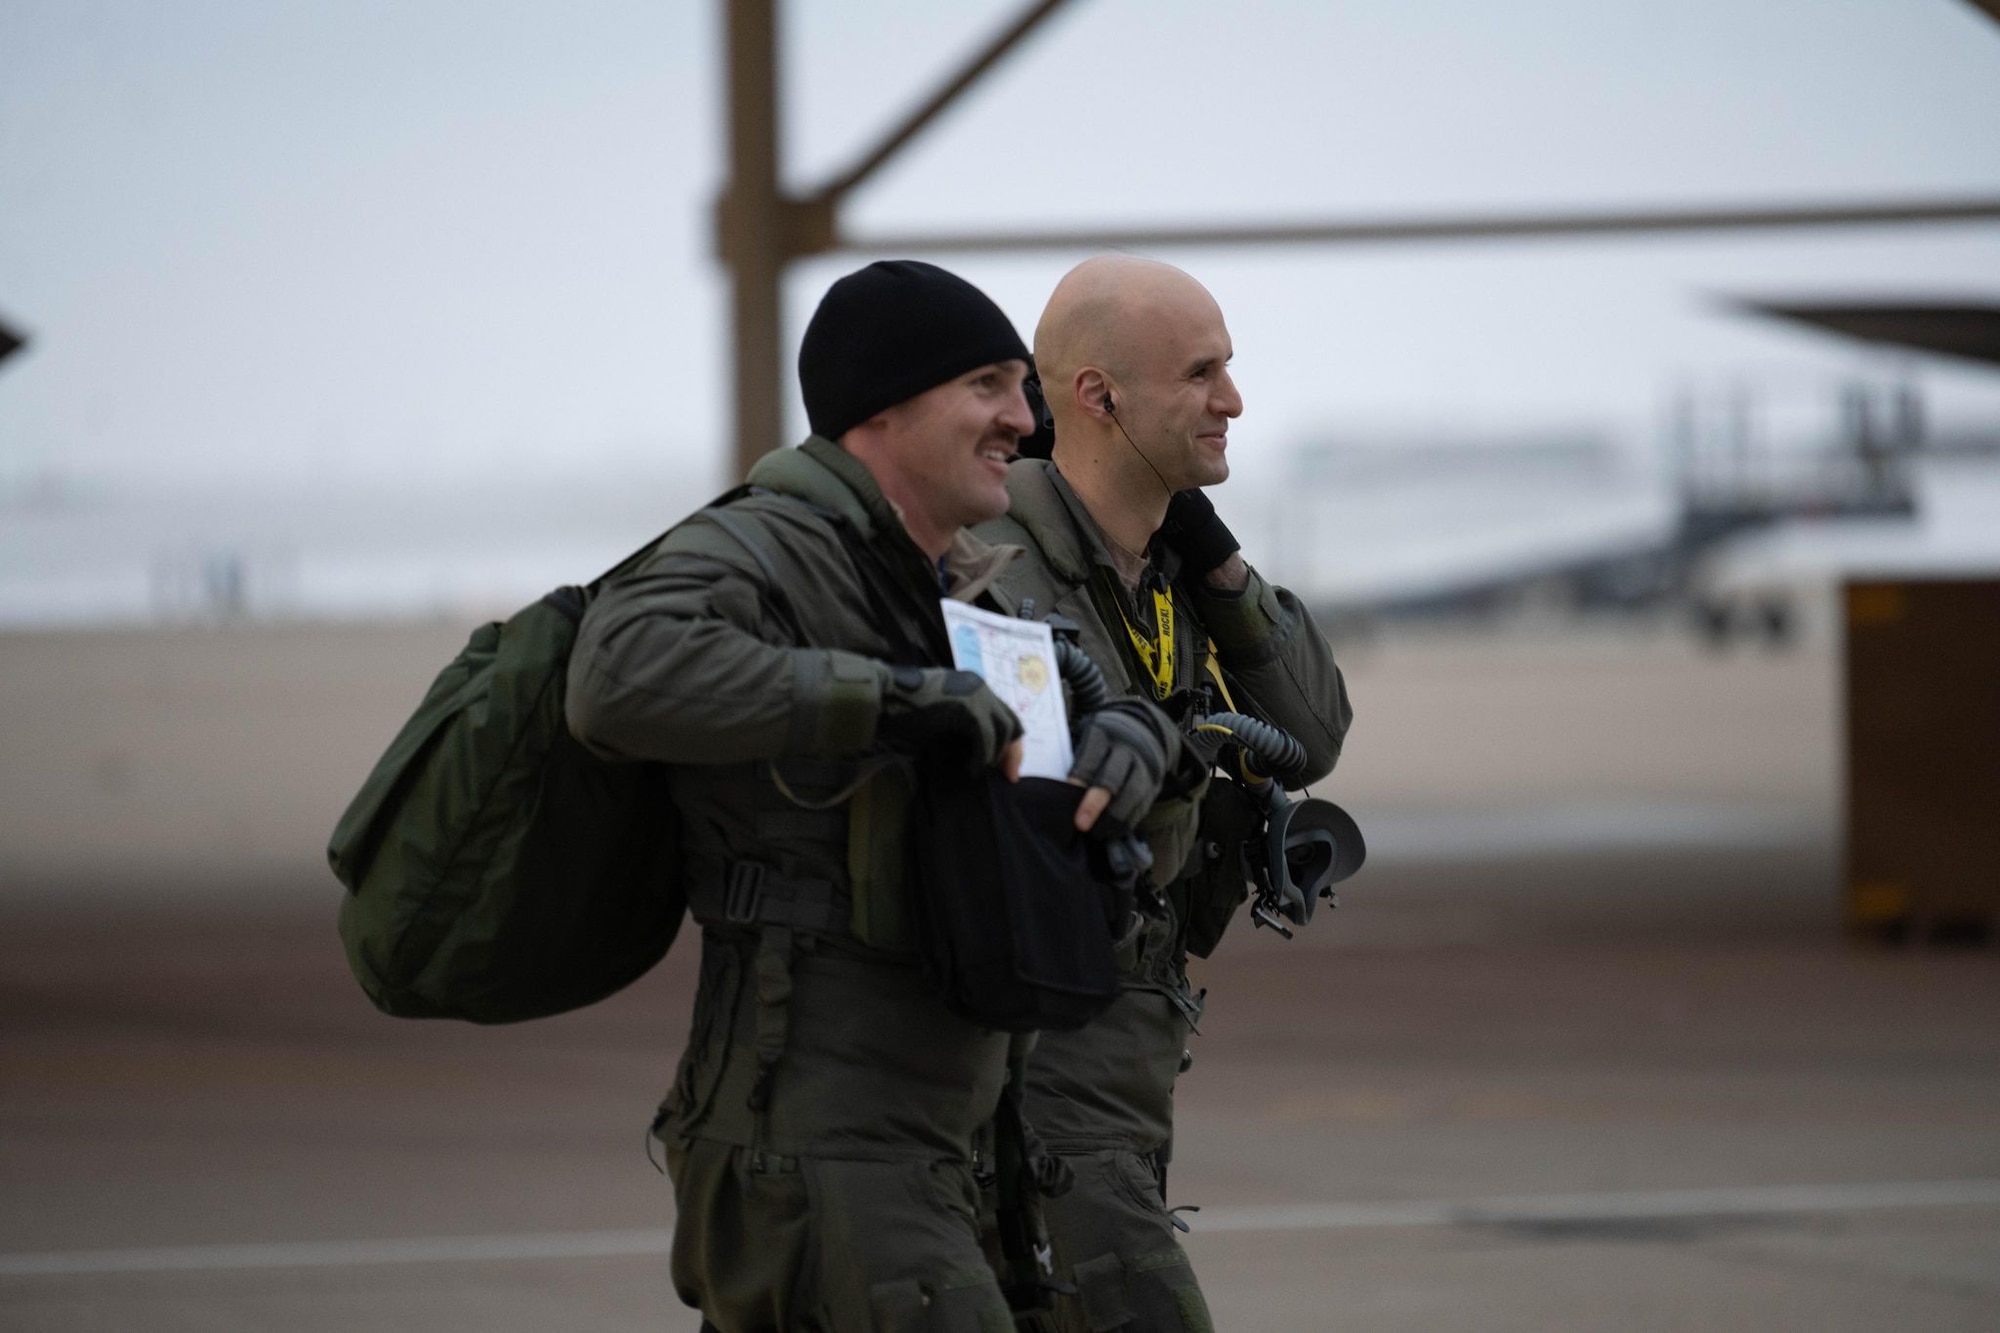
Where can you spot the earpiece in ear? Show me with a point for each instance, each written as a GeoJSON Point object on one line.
{"type": "Point", "coordinates": [1107, 404]}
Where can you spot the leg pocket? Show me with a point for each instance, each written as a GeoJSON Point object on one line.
{"type": "Point", "coordinates": [898, 1247]}
{"type": "Point", "coordinates": [741, 1238]}
{"type": "Point", "coordinates": [1138, 1279]}
{"type": "Point", "coordinates": [1166, 1295]}
{"type": "Point", "coordinates": [1100, 1293]}
{"type": "Point", "coordinates": [1154, 1293]}
{"type": "Point", "coordinates": [909, 1306]}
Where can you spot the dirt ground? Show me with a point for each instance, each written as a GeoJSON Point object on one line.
{"type": "Point", "coordinates": [1581, 1049]}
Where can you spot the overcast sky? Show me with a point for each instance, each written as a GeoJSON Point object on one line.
{"type": "Point", "coordinates": [313, 242]}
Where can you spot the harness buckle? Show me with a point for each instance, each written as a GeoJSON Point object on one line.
{"type": "Point", "coordinates": [744, 897]}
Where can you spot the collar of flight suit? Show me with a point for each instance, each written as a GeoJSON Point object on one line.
{"type": "Point", "coordinates": [1062, 527]}
{"type": "Point", "coordinates": [823, 473]}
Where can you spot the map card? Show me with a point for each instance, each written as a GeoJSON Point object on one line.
{"type": "Point", "coordinates": [1017, 660]}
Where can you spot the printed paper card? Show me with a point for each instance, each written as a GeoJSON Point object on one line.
{"type": "Point", "coordinates": [1017, 660]}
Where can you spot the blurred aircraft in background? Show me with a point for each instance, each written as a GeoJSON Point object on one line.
{"type": "Point", "coordinates": [1767, 493]}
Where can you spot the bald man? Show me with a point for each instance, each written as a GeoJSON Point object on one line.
{"type": "Point", "coordinates": [1134, 361]}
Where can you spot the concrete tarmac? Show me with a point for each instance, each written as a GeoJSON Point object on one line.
{"type": "Point", "coordinates": [1648, 1089]}
{"type": "Point", "coordinates": [1582, 1049]}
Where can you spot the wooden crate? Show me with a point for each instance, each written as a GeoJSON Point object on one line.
{"type": "Point", "coordinates": [1923, 758]}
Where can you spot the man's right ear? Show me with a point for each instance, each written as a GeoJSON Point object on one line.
{"type": "Point", "coordinates": [1093, 394]}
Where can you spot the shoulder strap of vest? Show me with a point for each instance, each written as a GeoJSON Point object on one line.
{"type": "Point", "coordinates": [745, 538]}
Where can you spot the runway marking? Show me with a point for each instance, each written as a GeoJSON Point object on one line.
{"type": "Point", "coordinates": [340, 1253]}
{"type": "Point", "coordinates": [1498, 1210]}
{"type": "Point", "coordinates": [1475, 833]}
{"type": "Point", "coordinates": [1649, 1205]}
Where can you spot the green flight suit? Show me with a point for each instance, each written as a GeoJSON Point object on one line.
{"type": "Point", "coordinates": [1102, 1097]}
{"type": "Point", "coordinates": [820, 1128]}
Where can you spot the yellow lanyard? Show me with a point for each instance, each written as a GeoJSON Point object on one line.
{"type": "Point", "coordinates": [1158, 655]}
{"type": "Point", "coordinates": [1215, 674]}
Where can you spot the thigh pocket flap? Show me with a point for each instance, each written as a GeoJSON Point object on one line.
{"type": "Point", "coordinates": [1100, 1290]}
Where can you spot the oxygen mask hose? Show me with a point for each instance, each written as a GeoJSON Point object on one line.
{"type": "Point", "coordinates": [1268, 751]}
{"type": "Point", "coordinates": [1087, 689]}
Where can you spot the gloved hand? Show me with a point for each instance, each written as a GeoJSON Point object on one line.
{"type": "Point", "coordinates": [946, 716]}
{"type": "Point", "coordinates": [1124, 748]}
{"type": "Point", "coordinates": [1194, 531]}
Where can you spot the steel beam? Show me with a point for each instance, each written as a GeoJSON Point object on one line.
{"type": "Point", "coordinates": [1448, 228]}
{"type": "Point", "coordinates": [751, 230]}
{"type": "Point", "coordinates": [947, 93]}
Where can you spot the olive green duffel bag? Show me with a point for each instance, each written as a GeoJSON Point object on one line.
{"type": "Point", "coordinates": [498, 871]}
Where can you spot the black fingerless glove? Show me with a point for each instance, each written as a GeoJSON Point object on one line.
{"type": "Point", "coordinates": [1124, 748]}
{"type": "Point", "coordinates": [947, 717]}
{"type": "Point", "coordinates": [1193, 530]}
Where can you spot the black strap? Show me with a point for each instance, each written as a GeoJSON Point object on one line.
{"type": "Point", "coordinates": [773, 971]}
{"type": "Point", "coordinates": [750, 894]}
{"type": "Point", "coordinates": [744, 536]}
{"type": "Point", "coordinates": [916, 627]}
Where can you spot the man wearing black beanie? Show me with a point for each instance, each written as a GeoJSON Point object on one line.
{"type": "Point", "coordinates": [820, 1131]}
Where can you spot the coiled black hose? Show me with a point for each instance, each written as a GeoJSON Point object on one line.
{"type": "Point", "coordinates": [1278, 752]}
{"type": "Point", "coordinates": [1087, 690]}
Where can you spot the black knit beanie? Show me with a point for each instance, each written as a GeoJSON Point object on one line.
{"type": "Point", "coordinates": [890, 331]}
